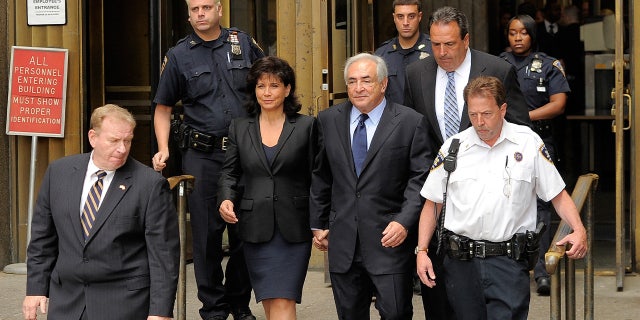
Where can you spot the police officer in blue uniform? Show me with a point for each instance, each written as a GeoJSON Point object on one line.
{"type": "Point", "coordinates": [207, 71]}
{"type": "Point", "coordinates": [410, 45]}
{"type": "Point", "coordinates": [545, 88]}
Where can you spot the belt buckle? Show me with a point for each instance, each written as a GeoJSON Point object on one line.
{"type": "Point", "coordinates": [223, 144]}
{"type": "Point", "coordinates": [479, 249]}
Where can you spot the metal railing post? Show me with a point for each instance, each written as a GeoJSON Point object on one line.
{"type": "Point", "coordinates": [582, 193]}
{"type": "Point", "coordinates": [185, 185]}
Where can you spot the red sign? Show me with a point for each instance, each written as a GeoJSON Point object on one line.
{"type": "Point", "coordinates": [37, 92]}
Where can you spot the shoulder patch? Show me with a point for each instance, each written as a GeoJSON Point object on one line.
{"type": "Point", "coordinates": [437, 162]}
{"type": "Point", "coordinates": [423, 55]}
{"type": "Point", "coordinates": [545, 153]}
{"type": "Point", "coordinates": [164, 63]}
{"type": "Point", "coordinates": [255, 43]}
{"type": "Point", "coordinates": [558, 65]}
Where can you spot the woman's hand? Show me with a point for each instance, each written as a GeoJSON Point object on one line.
{"type": "Point", "coordinates": [226, 212]}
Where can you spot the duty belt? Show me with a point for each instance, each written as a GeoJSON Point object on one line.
{"type": "Point", "coordinates": [205, 142]}
{"type": "Point", "coordinates": [463, 248]}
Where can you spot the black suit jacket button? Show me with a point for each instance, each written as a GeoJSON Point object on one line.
{"type": "Point", "coordinates": [85, 260]}
{"type": "Point", "coordinates": [275, 198]}
{"type": "Point", "coordinates": [357, 194]}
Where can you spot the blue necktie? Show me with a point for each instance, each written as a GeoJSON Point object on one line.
{"type": "Point", "coordinates": [91, 204]}
{"type": "Point", "coordinates": [359, 144]}
{"type": "Point", "coordinates": [451, 117]}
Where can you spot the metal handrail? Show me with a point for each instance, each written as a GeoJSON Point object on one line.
{"type": "Point", "coordinates": [582, 193]}
{"type": "Point", "coordinates": [185, 185]}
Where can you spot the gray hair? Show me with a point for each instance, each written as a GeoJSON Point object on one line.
{"type": "Point", "coordinates": [381, 66]}
{"type": "Point", "coordinates": [445, 15]}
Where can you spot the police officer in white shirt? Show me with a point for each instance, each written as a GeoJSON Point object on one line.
{"type": "Point", "coordinates": [490, 208]}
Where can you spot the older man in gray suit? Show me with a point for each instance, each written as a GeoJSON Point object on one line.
{"type": "Point", "coordinates": [364, 196]}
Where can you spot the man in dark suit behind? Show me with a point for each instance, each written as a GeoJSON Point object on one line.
{"type": "Point", "coordinates": [425, 91]}
{"type": "Point", "coordinates": [365, 212]}
{"type": "Point", "coordinates": [104, 238]}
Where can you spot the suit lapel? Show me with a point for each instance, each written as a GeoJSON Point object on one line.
{"type": "Point", "coordinates": [429, 95]}
{"type": "Point", "coordinates": [76, 184]}
{"type": "Point", "coordinates": [342, 127]}
{"type": "Point", "coordinates": [256, 141]}
{"type": "Point", "coordinates": [477, 69]}
{"type": "Point", "coordinates": [388, 123]}
{"type": "Point", "coordinates": [287, 130]}
{"type": "Point", "coordinates": [120, 185]}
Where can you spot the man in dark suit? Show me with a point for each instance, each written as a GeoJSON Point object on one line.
{"type": "Point", "coordinates": [426, 91]}
{"type": "Point", "coordinates": [104, 238]}
{"type": "Point", "coordinates": [364, 194]}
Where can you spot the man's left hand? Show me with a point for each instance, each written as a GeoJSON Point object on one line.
{"type": "Point", "coordinates": [158, 318]}
{"type": "Point", "coordinates": [578, 240]}
{"type": "Point", "coordinates": [393, 235]}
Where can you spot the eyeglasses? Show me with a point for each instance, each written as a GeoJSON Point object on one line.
{"type": "Point", "coordinates": [506, 175]}
{"type": "Point", "coordinates": [367, 83]}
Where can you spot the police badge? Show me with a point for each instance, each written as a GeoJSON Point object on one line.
{"type": "Point", "coordinates": [536, 65]}
{"type": "Point", "coordinates": [235, 43]}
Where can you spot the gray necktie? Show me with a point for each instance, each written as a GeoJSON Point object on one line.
{"type": "Point", "coordinates": [451, 118]}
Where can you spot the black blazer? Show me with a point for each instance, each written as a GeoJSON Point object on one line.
{"type": "Point", "coordinates": [359, 208]}
{"type": "Point", "coordinates": [421, 86]}
{"type": "Point", "coordinates": [276, 194]}
{"type": "Point", "coordinates": [127, 268]}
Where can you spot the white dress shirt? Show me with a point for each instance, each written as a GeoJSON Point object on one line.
{"type": "Point", "coordinates": [461, 78]}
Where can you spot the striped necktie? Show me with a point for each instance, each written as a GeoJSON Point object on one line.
{"type": "Point", "coordinates": [451, 118]}
{"type": "Point", "coordinates": [91, 204]}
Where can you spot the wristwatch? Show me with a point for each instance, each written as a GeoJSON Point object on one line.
{"type": "Point", "coordinates": [418, 249]}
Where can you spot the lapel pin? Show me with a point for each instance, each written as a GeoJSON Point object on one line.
{"type": "Point", "coordinates": [122, 187]}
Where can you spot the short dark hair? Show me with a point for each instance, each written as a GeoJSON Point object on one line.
{"type": "Point", "coordinates": [486, 86]}
{"type": "Point", "coordinates": [529, 25]}
{"type": "Point", "coordinates": [407, 3]}
{"type": "Point", "coordinates": [445, 15]}
{"type": "Point", "coordinates": [280, 69]}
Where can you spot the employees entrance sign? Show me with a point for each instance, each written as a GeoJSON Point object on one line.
{"type": "Point", "coordinates": [37, 92]}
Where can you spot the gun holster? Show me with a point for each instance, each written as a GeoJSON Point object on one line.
{"type": "Point", "coordinates": [180, 133]}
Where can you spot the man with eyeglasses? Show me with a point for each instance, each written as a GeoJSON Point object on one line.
{"type": "Point", "coordinates": [489, 200]}
{"type": "Point", "coordinates": [365, 197]}
{"type": "Point", "coordinates": [409, 46]}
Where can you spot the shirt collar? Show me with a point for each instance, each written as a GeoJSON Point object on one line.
{"type": "Point", "coordinates": [374, 115]}
{"type": "Point", "coordinates": [463, 70]}
{"type": "Point", "coordinates": [92, 168]}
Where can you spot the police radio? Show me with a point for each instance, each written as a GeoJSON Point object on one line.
{"type": "Point", "coordinates": [451, 159]}
{"type": "Point", "coordinates": [450, 166]}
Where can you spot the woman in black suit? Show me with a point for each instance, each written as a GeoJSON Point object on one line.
{"type": "Point", "coordinates": [271, 154]}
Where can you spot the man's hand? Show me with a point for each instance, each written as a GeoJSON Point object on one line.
{"type": "Point", "coordinates": [30, 306]}
{"type": "Point", "coordinates": [160, 160]}
{"type": "Point", "coordinates": [578, 240]}
{"type": "Point", "coordinates": [393, 235]}
{"type": "Point", "coordinates": [424, 268]}
{"type": "Point", "coordinates": [227, 213]}
{"type": "Point", "coordinates": [158, 318]}
{"type": "Point", "coordinates": [321, 240]}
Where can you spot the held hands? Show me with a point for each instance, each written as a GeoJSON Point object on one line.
{"type": "Point", "coordinates": [226, 212]}
{"type": "Point", "coordinates": [424, 268]}
{"type": "Point", "coordinates": [159, 160]}
{"type": "Point", "coordinates": [320, 239]}
{"type": "Point", "coordinates": [393, 235]}
{"type": "Point", "coordinates": [578, 241]}
{"type": "Point", "coordinates": [30, 306]}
